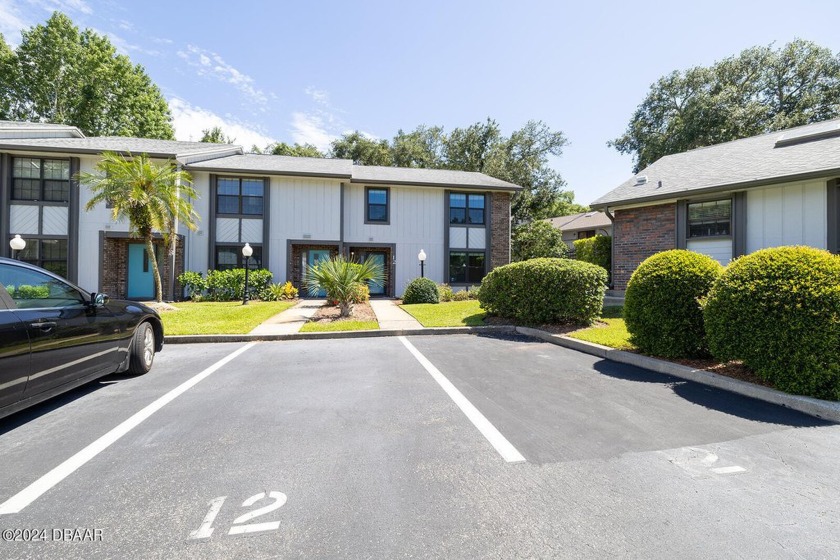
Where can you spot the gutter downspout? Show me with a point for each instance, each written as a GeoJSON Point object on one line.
{"type": "Point", "coordinates": [612, 249]}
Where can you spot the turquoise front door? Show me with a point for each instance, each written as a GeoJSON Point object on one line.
{"type": "Point", "coordinates": [313, 257]}
{"type": "Point", "coordinates": [141, 279]}
{"type": "Point", "coordinates": [378, 258]}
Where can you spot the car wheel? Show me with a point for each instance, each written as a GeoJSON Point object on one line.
{"type": "Point", "coordinates": [142, 349]}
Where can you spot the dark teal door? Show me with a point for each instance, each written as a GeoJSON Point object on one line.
{"type": "Point", "coordinates": [313, 257]}
{"type": "Point", "coordinates": [377, 289]}
{"type": "Point", "coordinates": [141, 279]}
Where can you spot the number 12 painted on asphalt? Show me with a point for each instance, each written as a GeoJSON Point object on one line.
{"type": "Point", "coordinates": [240, 526]}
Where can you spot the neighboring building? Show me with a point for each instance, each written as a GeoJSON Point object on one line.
{"type": "Point", "coordinates": [731, 199]}
{"type": "Point", "coordinates": [293, 211]}
{"type": "Point", "coordinates": [581, 226]}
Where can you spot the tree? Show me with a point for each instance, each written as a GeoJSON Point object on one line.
{"type": "Point", "coordinates": [151, 196]}
{"type": "Point", "coordinates": [362, 150]}
{"type": "Point", "coordinates": [62, 75]}
{"type": "Point", "coordinates": [537, 239]}
{"type": "Point", "coordinates": [340, 278]}
{"type": "Point", "coordinates": [761, 90]}
{"type": "Point", "coordinates": [216, 135]}
{"type": "Point", "coordinates": [296, 150]}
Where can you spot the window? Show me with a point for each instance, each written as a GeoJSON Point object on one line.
{"type": "Point", "coordinates": [239, 196]}
{"type": "Point", "coordinates": [376, 210]}
{"type": "Point", "coordinates": [709, 219]}
{"type": "Point", "coordinates": [32, 289]}
{"type": "Point", "coordinates": [230, 256]}
{"type": "Point", "coordinates": [46, 253]}
{"type": "Point", "coordinates": [466, 268]}
{"type": "Point", "coordinates": [41, 179]}
{"type": "Point", "coordinates": [466, 208]}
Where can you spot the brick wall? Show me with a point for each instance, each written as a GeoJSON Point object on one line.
{"type": "Point", "coordinates": [499, 229]}
{"type": "Point", "coordinates": [297, 263]}
{"type": "Point", "coordinates": [639, 233]}
{"type": "Point", "coordinates": [115, 266]}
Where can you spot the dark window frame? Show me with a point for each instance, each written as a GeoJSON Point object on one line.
{"type": "Point", "coordinates": [255, 262]}
{"type": "Point", "coordinates": [715, 223]}
{"type": "Point", "coordinates": [467, 208]}
{"type": "Point", "coordinates": [387, 220]}
{"type": "Point", "coordinates": [240, 203]}
{"type": "Point", "coordinates": [468, 280]}
{"type": "Point", "coordinates": [45, 263]}
{"type": "Point", "coordinates": [41, 180]}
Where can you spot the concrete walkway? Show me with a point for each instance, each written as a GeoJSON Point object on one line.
{"type": "Point", "coordinates": [291, 320]}
{"type": "Point", "coordinates": [391, 317]}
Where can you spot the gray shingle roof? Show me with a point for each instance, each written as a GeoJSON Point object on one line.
{"type": "Point", "coordinates": [737, 164]}
{"type": "Point", "coordinates": [120, 144]}
{"type": "Point", "coordinates": [370, 174]}
{"type": "Point", "coordinates": [16, 129]}
{"type": "Point", "coordinates": [278, 165]}
{"type": "Point", "coordinates": [583, 221]}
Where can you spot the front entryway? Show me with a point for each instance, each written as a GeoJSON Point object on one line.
{"type": "Point", "coordinates": [312, 258]}
{"type": "Point", "coordinates": [379, 258]}
{"type": "Point", "coordinates": [381, 255]}
{"type": "Point", "coordinates": [141, 277]}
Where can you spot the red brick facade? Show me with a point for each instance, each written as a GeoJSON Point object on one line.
{"type": "Point", "coordinates": [499, 229]}
{"type": "Point", "coordinates": [639, 233]}
{"type": "Point", "coordinates": [115, 266]}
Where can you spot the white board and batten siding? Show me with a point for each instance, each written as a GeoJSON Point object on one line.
{"type": "Point", "coordinates": [788, 214]}
{"type": "Point", "coordinates": [416, 222]}
{"type": "Point", "coordinates": [301, 208]}
{"type": "Point", "coordinates": [719, 249]}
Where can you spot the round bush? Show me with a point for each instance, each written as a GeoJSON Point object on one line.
{"type": "Point", "coordinates": [778, 311]}
{"type": "Point", "coordinates": [661, 305]}
{"type": "Point", "coordinates": [421, 290]}
{"type": "Point", "coordinates": [545, 290]}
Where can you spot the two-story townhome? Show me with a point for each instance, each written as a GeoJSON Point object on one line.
{"type": "Point", "coordinates": [293, 212]}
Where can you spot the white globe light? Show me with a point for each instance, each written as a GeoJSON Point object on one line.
{"type": "Point", "coordinates": [421, 256]}
{"type": "Point", "coordinates": [17, 244]}
{"type": "Point", "coordinates": [247, 251]}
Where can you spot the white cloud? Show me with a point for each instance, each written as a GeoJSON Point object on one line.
{"type": "Point", "coordinates": [308, 128]}
{"type": "Point", "coordinates": [190, 122]}
{"type": "Point", "coordinates": [11, 22]}
{"type": "Point", "coordinates": [208, 63]}
{"type": "Point", "coordinates": [320, 96]}
{"type": "Point", "coordinates": [66, 6]}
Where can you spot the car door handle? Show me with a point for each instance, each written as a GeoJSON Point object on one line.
{"type": "Point", "coordinates": [43, 325]}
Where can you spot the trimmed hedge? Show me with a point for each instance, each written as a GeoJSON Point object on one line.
{"type": "Point", "coordinates": [778, 311]}
{"type": "Point", "coordinates": [662, 303]}
{"type": "Point", "coordinates": [421, 290]}
{"type": "Point", "coordinates": [595, 250]}
{"type": "Point", "coordinates": [545, 291]}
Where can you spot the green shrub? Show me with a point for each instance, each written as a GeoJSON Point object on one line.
{"type": "Point", "coordinates": [595, 250]}
{"type": "Point", "coordinates": [445, 292]}
{"type": "Point", "coordinates": [778, 311]}
{"type": "Point", "coordinates": [421, 290]}
{"type": "Point", "coordinates": [661, 305]}
{"type": "Point", "coordinates": [194, 283]}
{"type": "Point", "coordinates": [545, 291]}
{"type": "Point", "coordinates": [463, 295]}
{"type": "Point", "coordinates": [229, 285]}
{"type": "Point", "coordinates": [537, 239]}
{"type": "Point", "coordinates": [276, 292]}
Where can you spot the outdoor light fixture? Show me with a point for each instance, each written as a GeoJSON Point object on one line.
{"type": "Point", "coordinates": [17, 244]}
{"type": "Point", "coordinates": [247, 251]}
{"type": "Point", "coordinates": [421, 256]}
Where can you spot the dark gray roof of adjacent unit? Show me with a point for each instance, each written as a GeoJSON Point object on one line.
{"type": "Point", "coordinates": [8, 128]}
{"type": "Point", "coordinates": [370, 174]}
{"type": "Point", "coordinates": [800, 153]}
{"type": "Point", "coordinates": [278, 165]}
{"type": "Point", "coordinates": [119, 144]}
{"type": "Point", "coordinates": [582, 221]}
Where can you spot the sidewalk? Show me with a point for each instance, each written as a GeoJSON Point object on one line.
{"type": "Point", "coordinates": [391, 317]}
{"type": "Point", "coordinates": [291, 320]}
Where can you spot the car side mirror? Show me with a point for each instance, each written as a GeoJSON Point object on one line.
{"type": "Point", "coordinates": [99, 299]}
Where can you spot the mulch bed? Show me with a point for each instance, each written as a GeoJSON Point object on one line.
{"type": "Point", "coordinates": [331, 313]}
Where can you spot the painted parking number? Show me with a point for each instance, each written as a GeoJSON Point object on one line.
{"type": "Point", "coordinates": [240, 525]}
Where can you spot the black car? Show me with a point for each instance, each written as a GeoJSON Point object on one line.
{"type": "Point", "coordinates": [54, 336]}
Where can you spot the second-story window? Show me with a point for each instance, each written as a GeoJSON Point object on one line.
{"type": "Point", "coordinates": [466, 208]}
{"type": "Point", "coordinates": [236, 195]}
{"type": "Point", "coordinates": [41, 179]}
{"type": "Point", "coordinates": [376, 205]}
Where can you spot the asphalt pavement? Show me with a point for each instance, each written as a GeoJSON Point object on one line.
{"type": "Point", "coordinates": [359, 448]}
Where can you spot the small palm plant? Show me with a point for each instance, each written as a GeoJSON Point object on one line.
{"type": "Point", "coordinates": [340, 278]}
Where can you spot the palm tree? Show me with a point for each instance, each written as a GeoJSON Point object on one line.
{"type": "Point", "coordinates": [149, 195]}
{"type": "Point", "coordinates": [340, 278]}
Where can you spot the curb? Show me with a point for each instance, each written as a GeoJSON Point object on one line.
{"type": "Point", "coordinates": [815, 407]}
{"type": "Point", "coordinates": [214, 338]}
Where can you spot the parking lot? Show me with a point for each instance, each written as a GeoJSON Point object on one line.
{"type": "Point", "coordinates": [431, 446]}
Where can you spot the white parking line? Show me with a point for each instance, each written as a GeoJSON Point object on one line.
{"type": "Point", "coordinates": [496, 439]}
{"type": "Point", "coordinates": [32, 492]}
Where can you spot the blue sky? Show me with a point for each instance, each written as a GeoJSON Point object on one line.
{"type": "Point", "coordinates": [310, 71]}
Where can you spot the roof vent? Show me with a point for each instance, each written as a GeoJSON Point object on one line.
{"type": "Point", "coordinates": [641, 180]}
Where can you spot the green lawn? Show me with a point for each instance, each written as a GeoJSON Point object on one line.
{"type": "Point", "coordinates": [614, 334]}
{"type": "Point", "coordinates": [227, 317]}
{"type": "Point", "coordinates": [340, 325]}
{"type": "Point", "coordinates": [449, 314]}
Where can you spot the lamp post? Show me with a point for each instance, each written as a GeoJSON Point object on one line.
{"type": "Point", "coordinates": [421, 256]}
{"type": "Point", "coordinates": [247, 251]}
{"type": "Point", "coordinates": [17, 244]}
